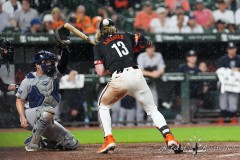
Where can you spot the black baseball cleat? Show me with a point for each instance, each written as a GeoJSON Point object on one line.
{"type": "Point", "coordinates": [177, 148]}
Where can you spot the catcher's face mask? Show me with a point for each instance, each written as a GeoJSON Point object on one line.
{"type": "Point", "coordinates": [48, 60]}
{"type": "Point", "coordinates": [6, 50]}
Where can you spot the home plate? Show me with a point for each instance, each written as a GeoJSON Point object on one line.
{"type": "Point", "coordinates": [229, 155]}
{"type": "Point", "coordinates": [191, 151]}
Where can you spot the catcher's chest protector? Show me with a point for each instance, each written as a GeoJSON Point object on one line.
{"type": "Point", "coordinates": [44, 91]}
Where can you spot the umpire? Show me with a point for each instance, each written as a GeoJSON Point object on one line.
{"type": "Point", "coordinates": [228, 101]}
{"type": "Point", "coordinates": [5, 51]}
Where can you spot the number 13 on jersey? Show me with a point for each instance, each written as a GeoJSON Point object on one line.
{"type": "Point", "coordinates": [120, 48]}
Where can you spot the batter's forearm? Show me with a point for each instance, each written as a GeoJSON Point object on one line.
{"type": "Point", "coordinates": [20, 107]}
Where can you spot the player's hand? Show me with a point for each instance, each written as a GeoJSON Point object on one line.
{"type": "Point", "coordinates": [155, 74]}
{"type": "Point", "coordinates": [24, 123]}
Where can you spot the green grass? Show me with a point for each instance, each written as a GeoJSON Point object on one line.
{"type": "Point", "coordinates": [91, 136]}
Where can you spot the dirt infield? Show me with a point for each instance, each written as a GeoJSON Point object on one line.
{"type": "Point", "coordinates": [209, 151]}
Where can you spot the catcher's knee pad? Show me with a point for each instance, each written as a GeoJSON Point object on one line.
{"type": "Point", "coordinates": [45, 114]}
{"type": "Point", "coordinates": [46, 117]}
{"type": "Point", "coordinates": [69, 142]}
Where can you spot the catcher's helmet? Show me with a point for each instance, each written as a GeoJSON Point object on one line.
{"type": "Point", "coordinates": [107, 22]}
{"type": "Point", "coordinates": [36, 59]}
{"type": "Point", "coordinates": [42, 57]}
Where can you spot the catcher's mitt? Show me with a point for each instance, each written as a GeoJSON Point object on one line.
{"type": "Point", "coordinates": [62, 35]}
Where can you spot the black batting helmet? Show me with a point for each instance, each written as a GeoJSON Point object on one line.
{"type": "Point", "coordinates": [107, 22]}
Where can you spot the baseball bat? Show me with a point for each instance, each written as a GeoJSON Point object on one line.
{"type": "Point", "coordinates": [78, 33]}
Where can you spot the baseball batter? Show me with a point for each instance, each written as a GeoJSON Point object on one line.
{"type": "Point", "coordinates": [114, 55]}
{"type": "Point", "coordinates": [37, 96]}
{"type": "Point", "coordinates": [5, 51]}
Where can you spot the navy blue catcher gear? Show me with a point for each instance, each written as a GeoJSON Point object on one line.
{"type": "Point", "coordinates": [41, 58]}
{"type": "Point", "coordinates": [51, 68]}
{"type": "Point", "coordinates": [107, 22]}
{"type": "Point", "coordinates": [37, 58]}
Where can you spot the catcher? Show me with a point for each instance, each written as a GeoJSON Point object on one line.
{"type": "Point", "coordinates": [5, 53]}
{"type": "Point", "coordinates": [114, 55]}
{"type": "Point", "coordinates": [37, 96]}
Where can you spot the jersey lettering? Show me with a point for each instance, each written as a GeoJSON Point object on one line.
{"type": "Point", "coordinates": [120, 48]}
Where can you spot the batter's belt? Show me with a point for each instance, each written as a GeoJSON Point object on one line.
{"type": "Point", "coordinates": [125, 69]}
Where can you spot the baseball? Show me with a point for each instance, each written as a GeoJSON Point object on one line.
{"type": "Point", "coordinates": [105, 22]}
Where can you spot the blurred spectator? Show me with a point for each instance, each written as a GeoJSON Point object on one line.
{"type": "Point", "coordinates": [173, 4]}
{"type": "Point", "coordinates": [143, 18]}
{"type": "Point", "coordinates": [203, 15]}
{"type": "Point", "coordinates": [231, 27]}
{"type": "Point", "coordinates": [6, 19]}
{"type": "Point", "coordinates": [19, 76]}
{"type": "Point", "coordinates": [119, 5]}
{"type": "Point", "coordinates": [24, 16]}
{"type": "Point", "coordinates": [174, 18]}
{"type": "Point", "coordinates": [193, 27]}
{"type": "Point", "coordinates": [44, 5]}
{"type": "Point", "coordinates": [237, 17]}
{"type": "Point", "coordinates": [189, 67]}
{"type": "Point", "coordinates": [96, 21]}
{"type": "Point", "coordinates": [35, 26]}
{"type": "Point", "coordinates": [220, 27]}
{"type": "Point", "coordinates": [83, 21]}
{"type": "Point", "coordinates": [203, 67]}
{"type": "Point", "coordinates": [102, 12]}
{"type": "Point", "coordinates": [223, 13]}
{"type": "Point", "coordinates": [205, 100]}
{"type": "Point", "coordinates": [117, 21]}
{"type": "Point", "coordinates": [11, 6]}
{"type": "Point", "coordinates": [233, 4]}
{"type": "Point", "coordinates": [179, 27]}
{"type": "Point", "coordinates": [127, 110]}
{"type": "Point", "coordinates": [161, 23]}
{"type": "Point", "coordinates": [57, 18]}
{"type": "Point", "coordinates": [73, 21]}
{"type": "Point", "coordinates": [48, 24]}
{"type": "Point", "coordinates": [128, 19]}
{"type": "Point", "coordinates": [74, 110]}
{"type": "Point", "coordinates": [228, 101]}
{"type": "Point", "coordinates": [153, 66]}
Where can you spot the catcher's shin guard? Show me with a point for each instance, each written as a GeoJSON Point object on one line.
{"type": "Point", "coordinates": [69, 142]}
{"type": "Point", "coordinates": [44, 119]}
